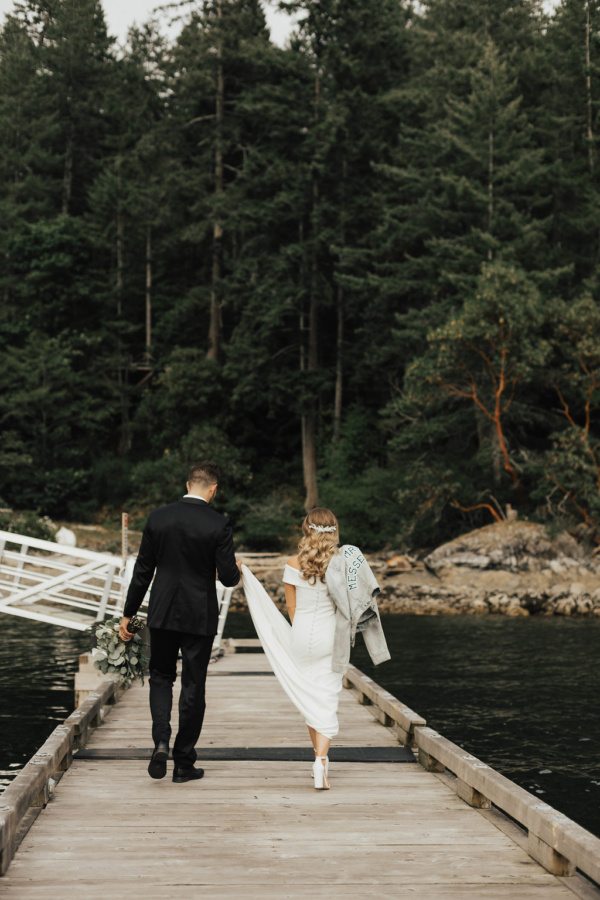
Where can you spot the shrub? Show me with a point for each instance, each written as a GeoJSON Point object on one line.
{"type": "Point", "coordinates": [271, 523]}
{"type": "Point", "coordinates": [26, 522]}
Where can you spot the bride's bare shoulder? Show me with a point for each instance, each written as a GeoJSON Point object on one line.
{"type": "Point", "coordinates": [293, 562]}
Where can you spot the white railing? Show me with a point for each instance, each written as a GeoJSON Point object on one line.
{"type": "Point", "coordinates": [69, 586]}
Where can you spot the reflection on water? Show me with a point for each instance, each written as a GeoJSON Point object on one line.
{"type": "Point", "coordinates": [521, 694]}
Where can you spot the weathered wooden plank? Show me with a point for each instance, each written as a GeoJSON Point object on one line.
{"type": "Point", "coordinates": [93, 891]}
{"type": "Point", "coordinates": [274, 864]}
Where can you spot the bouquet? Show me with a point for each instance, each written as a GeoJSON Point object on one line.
{"type": "Point", "coordinates": [122, 660]}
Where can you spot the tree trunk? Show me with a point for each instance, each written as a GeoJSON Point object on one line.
{"type": "Point", "coordinates": [488, 442]}
{"type": "Point", "coordinates": [339, 344]}
{"type": "Point", "coordinates": [68, 173]}
{"type": "Point", "coordinates": [309, 462]}
{"type": "Point", "coordinates": [339, 368]}
{"type": "Point", "coordinates": [125, 427]}
{"type": "Point", "coordinates": [148, 293]}
{"type": "Point", "coordinates": [214, 329]}
{"type": "Point", "coordinates": [308, 363]}
{"type": "Point", "coordinates": [588, 83]}
{"type": "Point", "coordinates": [497, 461]}
{"type": "Point", "coordinates": [309, 427]}
{"type": "Point", "coordinates": [120, 230]}
{"type": "Point", "coordinates": [490, 184]}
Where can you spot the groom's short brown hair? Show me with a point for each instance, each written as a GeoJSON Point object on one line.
{"type": "Point", "coordinates": [204, 473]}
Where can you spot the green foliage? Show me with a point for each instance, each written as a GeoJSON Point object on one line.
{"type": "Point", "coordinates": [367, 508]}
{"type": "Point", "coordinates": [271, 522]}
{"type": "Point", "coordinates": [124, 661]}
{"type": "Point", "coordinates": [465, 397]}
{"type": "Point", "coordinates": [487, 349]}
{"type": "Point", "coordinates": [572, 463]}
{"type": "Point", "coordinates": [26, 522]}
{"type": "Point", "coordinates": [384, 235]}
{"type": "Point", "coordinates": [47, 405]}
{"type": "Point", "coordinates": [189, 392]}
{"type": "Point", "coordinates": [162, 480]}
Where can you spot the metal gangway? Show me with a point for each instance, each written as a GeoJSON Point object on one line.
{"type": "Point", "coordinates": [69, 586]}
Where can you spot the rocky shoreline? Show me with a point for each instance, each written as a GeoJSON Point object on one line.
{"type": "Point", "coordinates": [510, 568]}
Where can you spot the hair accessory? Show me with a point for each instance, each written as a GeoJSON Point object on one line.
{"type": "Point", "coordinates": [322, 529]}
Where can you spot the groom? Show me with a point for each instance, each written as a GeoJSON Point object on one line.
{"type": "Point", "coordinates": [186, 543]}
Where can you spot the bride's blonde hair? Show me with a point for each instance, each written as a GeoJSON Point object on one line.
{"type": "Point", "coordinates": [317, 547]}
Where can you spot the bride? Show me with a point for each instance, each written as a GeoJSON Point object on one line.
{"type": "Point", "coordinates": [306, 657]}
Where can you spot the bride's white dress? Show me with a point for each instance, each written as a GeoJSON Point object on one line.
{"type": "Point", "coordinates": [300, 653]}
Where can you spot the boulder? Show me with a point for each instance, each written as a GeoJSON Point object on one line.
{"type": "Point", "coordinates": [513, 546]}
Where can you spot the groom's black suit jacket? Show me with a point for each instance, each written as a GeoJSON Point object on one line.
{"type": "Point", "coordinates": [186, 543]}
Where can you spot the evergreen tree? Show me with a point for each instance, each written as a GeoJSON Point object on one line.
{"type": "Point", "coordinates": [571, 473]}
{"type": "Point", "coordinates": [215, 57]}
{"type": "Point", "coordinates": [464, 395]}
{"type": "Point", "coordinates": [356, 55]}
{"type": "Point", "coordinates": [221, 246]}
{"type": "Point", "coordinates": [27, 131]}
{"type": "Point", "coordinates": [52, 414]}
{"type": "Point", "coordinates": [127, 215]}
{"type": "Point", "coordinates": [569, 123]}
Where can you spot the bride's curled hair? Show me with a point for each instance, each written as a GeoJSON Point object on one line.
{"type": "Point", "coordinates": [317, 546]}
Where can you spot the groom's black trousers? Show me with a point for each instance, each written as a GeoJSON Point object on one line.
{"type": "Point", "coordinates": [195, 653]}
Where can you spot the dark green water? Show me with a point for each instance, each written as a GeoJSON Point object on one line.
{"type": "Point", "coordinates": [521, 694]}
{"type": "Point", "coordinates": [37, 668]}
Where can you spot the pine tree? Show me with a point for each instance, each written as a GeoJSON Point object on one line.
{"type": "Point", "coordinates": [76, 53]}
{"type": "Point", "coordinates": [568, 122]}
{"type": "Point", "coordinates": [467, 188]}
{"type": "Point", "coordinates": [216, 56]}
{"type": "Point", "coordinates": [127, 213]}
{"type": "Point", "coordinates": [356, 56]}
{"type": "Point", "coordinates": [27, 131]}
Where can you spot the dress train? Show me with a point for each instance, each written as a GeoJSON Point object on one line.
{"type": "Point", "coordinates": [316, 700]}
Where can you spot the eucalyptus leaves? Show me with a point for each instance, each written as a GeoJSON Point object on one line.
{"type": "Point", "coordinates": [121, 660]}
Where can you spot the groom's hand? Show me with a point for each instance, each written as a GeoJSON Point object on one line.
{"type": "Point", "coordinates": [123, 633]}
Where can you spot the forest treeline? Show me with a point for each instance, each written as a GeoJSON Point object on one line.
{"type": "Point", "coordinates": [359, 271]}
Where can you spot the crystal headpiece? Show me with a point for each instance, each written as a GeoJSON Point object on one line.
{"type": "Point", "coordinates": [323, 529]}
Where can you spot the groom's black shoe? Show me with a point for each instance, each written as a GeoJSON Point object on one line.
{"type": "Point", "coordinates": [157, 767]}
{"type": "Point", "coordinates": [189, 773]}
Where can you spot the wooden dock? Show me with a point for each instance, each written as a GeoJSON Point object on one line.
{"type": "Point", "coordinates": [254, 827]}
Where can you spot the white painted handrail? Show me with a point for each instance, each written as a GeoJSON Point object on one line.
{"type": "Point", "coordinates": [68, 586]}
{"type": "Point", "coordinates": [62, 549]}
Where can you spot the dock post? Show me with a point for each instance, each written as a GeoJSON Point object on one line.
{"type": "Point", "coordinates": [548, 857]}
{"type": "Point", "coordinates": [430, 763]}
{"type": "Point", "coordinates": [472, 796]}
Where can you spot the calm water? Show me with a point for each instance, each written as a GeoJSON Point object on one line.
{"type": "Point", "coordinates": [37, 667]}
{"type": "Point", "coordinates": [521, 694]}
